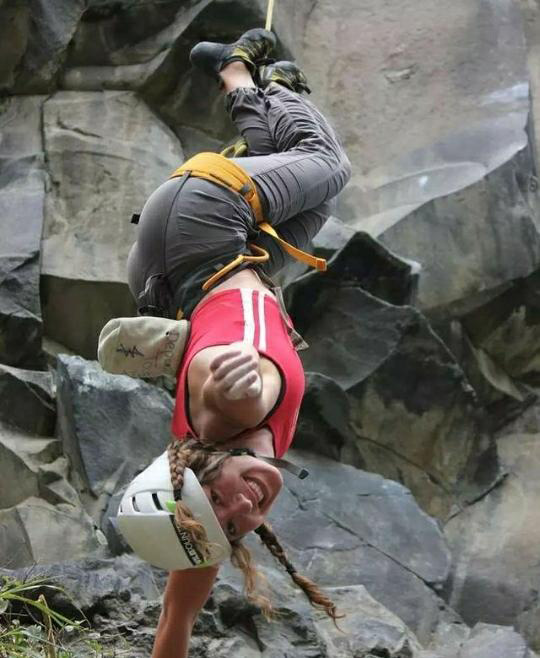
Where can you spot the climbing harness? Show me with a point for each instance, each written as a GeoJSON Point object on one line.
{"type": "Point", "coordinates": [222, 171]}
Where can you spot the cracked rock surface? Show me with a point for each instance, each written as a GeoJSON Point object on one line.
{"type": "Point", "coordinates": [373, 535]}
{"type": "Point", "coordinates": [407, 408]}
{"type": "Point", "coordinates": [494, 541]}
{"type": "Point", "coordinates": [98, 414]}
{"type": "Point", "coordinates": [420, 420]}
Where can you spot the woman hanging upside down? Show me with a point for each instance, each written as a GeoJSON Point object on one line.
{"type": "Point", "coordinates": [240, 382]}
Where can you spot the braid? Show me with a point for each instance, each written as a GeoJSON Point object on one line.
{"type": "Point", "coordinates": [241, 558]}
{"type": "Point", "coordinates": [180, 456]}
{"type": "Point", "coordinates": [310, 589]}
{"type": "Point", "coordinates": [176, 465]}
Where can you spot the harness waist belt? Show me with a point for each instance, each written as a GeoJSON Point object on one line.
{"type": "Point", "coordinates": [219, 169]}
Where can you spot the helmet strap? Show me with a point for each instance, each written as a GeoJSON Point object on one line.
{"type": "Point", "coordinates": [300, 473]}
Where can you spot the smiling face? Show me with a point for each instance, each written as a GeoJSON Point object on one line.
{"type": "Point", "coordinates": [242, 494]}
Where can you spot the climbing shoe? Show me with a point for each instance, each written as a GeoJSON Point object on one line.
{"type": "Point", "coordinates": [286, 74]}
{"type": "Point", "coordinates": [236, 150]}
{"type": "Point", "coordinates": [252, 48]}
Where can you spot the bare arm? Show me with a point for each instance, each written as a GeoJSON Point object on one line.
{"type": "Point", "coordinates": [237, 390]}
{"type": "Point", "coordinates": [185, 595]}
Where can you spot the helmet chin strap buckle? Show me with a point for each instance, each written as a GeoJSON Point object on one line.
{"type": "Point", "coordinates": [301, 473]}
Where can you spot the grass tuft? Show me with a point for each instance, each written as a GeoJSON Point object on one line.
{"type": "Point", "coordinates": [30, 628]}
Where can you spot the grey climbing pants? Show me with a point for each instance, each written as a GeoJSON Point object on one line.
{"type": "Point", "coordinates": [189, 227]}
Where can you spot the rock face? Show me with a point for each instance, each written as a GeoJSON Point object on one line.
{"type": "Point", "coordinates": [75, 311]}
{"type": "Point", "coordinates": [111, 427]}
{"type": "Point", "coordinates": [43, 30]}
{"type": "Point", "coordinates": [22, 198]}
{"type": "Point", "coordinates": [406, 410]}
{"type": "Point", "coordinates": [106, 153]}
{"type": "Point", "coordinates": [128, 47]}
{"type": "Point", "coordinates": [491, 228]}
{"type": "Point", "coordinates": [431, 111]}
{"type": "Point", "coordinates": [376, 534]}
{"type": "Point", "coordinates": [424, 365]}
{"type": "Point", "coordinates": [14, 36]}
{"type": "Point", "coordinates": [27, 400]}
{"type": "Point", "coordinates": [495, 577]}
{"type": "Point", "coordinates": [31, 530]}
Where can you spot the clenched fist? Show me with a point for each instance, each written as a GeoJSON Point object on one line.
{"type": "Point", "coordinates": [236, 372]}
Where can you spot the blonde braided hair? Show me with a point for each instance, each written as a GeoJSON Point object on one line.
{"type": "Point", "coordinates": [310, 589]}
{"type": "Point", "coordinates": [179, 458]}
{"type": "Point", "coordinates": [206, 461]}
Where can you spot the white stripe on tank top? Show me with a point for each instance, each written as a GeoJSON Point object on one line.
{"type": "Point", "coordinates": [262, 322]}
{"type": "Point", "coordinates": [249, 319]}
{"type": "Point", "coordinates": [252, 321]}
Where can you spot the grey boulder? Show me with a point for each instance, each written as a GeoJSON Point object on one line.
{"type": "Point", "coordinates": [31, 466]}
{"type": "Point", "coordinates": [507, 331]}
{"type": "Point", "coordinates": [495, 574]}
{"type": "Point", "coordinates": [87, 584]}
{"type": "Point", "coordinates": [106, 152]}
{"type": "Point", "coordinates": [367, 629]}
{"type": "Point", "coordinates": [22, 199]}
{"type": "Point", "coordinates": [344, 527]}
{"type": "Point", "coordinates": [30, 532]}
{"type": "Point", "coordinates": [489, 228]}
{"type": "Point", "coordinates": [38, 505]}
{"type": "Point", "coordinates": [407, 410]}
{"type": "Point", "coordinates": [360, 261]}
{"type": "Point", "coordinates": [27, 400]}
{"type": "Point", "coordinates": [112, 426]}
{"type": "Point", "coordinates": [229, 625]}
{"type": "Point", "coordinates": [488, 641]}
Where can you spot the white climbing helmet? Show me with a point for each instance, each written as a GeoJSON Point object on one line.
{"type": "Point", "coordinates": [146, 519]}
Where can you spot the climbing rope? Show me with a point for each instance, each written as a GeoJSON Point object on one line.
{"type": "Point", "coordinates": [240, 147]}
{"type": "Point", "coordinates": [269, 13]}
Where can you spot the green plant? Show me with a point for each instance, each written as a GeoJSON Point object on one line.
{"type": "Point", "coordinates": [45, 635]}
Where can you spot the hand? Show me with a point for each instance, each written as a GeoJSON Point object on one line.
{"type": "Point", "coordinates": [236, 372]}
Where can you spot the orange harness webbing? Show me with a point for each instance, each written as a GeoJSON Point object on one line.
{"type": "Point", "coordinates": [219, 169]}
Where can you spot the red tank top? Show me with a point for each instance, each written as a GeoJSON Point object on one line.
{"type": "Point", "coordinates": [243, 314]}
